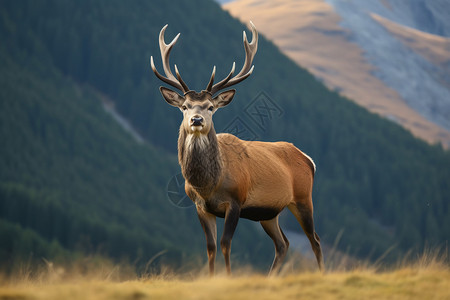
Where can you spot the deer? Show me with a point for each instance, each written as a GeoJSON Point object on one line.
{"type": "Point", "coordinates": [230, 178]}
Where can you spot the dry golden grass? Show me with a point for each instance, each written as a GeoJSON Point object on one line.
{"type": "Point", "coordinates": [426, 278]}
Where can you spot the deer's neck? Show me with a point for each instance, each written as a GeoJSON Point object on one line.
{"type": "Point", "coordinates": [200, 160]}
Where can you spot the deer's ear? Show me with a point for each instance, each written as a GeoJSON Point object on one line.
{"type": "Point", "coordinates": [224, 98]}
{"type": "Point", "coordinates": [171, 97]}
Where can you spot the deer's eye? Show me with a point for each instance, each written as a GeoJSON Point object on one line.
{"type": "Point", "coordinates": [184, 107]}
{"type": "Point", "coordinates": [211, 108]}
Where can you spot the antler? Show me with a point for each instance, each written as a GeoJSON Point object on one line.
{"type": "Point", "coordinates": [247, 69]}
{"type": "Point", "coordinates": [165, 52]}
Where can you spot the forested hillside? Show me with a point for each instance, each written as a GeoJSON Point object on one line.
{"type": "Point", "coordinates": [73, 182]}
{"type": "Point", "coordinates": [71, 178]}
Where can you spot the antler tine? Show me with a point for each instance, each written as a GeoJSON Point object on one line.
{"type": "Point", "coordinates": [162, 78]}
{"type": "Point", "coordinates": [165, 49]}
{"type": "Point", "coordinates": [183, 84]}
{"type": "Point", "coordinates": [211, 80]}
{"type": "Point", "coordinates": [165, 52]}
{"type": "Point", "coordinates": [250, 50]}
{"type": "Point", "coordinates": [247, 69]}
{"type": "Point", "coordinates": [218, 86]}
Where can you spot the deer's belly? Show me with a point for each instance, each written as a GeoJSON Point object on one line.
{"type": "Point", "coordinates": [255, 213]}
{"type": "Point", "coordinates": [262, 213]}
{"type": "Point", "coordinates": [251, 212]}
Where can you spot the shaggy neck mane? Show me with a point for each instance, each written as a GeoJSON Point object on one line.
{"type": "Point", "coordinates": [199, 158]}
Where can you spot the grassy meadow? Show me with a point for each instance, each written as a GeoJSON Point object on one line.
{"type": "Point", "coordinates": [426, 278]}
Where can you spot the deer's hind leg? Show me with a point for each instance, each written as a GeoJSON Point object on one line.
{"type": "Point", "coordinates": [273, 229]}
{"type": "Point", "coordinates": [303, 212]}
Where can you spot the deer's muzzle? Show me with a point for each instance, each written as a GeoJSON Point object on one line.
{"type": "Point", "coordinates": [197, 121]}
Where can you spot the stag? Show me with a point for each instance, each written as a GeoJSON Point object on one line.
{"type": "Point", "coordinates": [231, 178]}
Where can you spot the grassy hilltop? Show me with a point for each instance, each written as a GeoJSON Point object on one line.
{"type": "Point", "coordinates": [422, 280]}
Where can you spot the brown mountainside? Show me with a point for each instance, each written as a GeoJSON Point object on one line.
{"type": "Point", "coordinates": [308, 31]}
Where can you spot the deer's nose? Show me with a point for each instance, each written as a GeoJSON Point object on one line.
{"type": "Point", "coordinates": [196, 121]}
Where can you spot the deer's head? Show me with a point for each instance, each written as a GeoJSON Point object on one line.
{"type": "Point", "coordinates": [199, 107]}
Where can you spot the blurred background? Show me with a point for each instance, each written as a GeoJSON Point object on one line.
{"type": "Point", "coordinates": [88, 162]}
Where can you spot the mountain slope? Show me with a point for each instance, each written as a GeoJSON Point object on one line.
{"type": "Point", "coordinates": [370, 171]}
{"type": "Point", "coordinates": [341, 44]}
{"type": "Point", "coordinates": [423, 84]}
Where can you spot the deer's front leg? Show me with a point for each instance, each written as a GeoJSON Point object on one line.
{"type": "Point", "coordinates": [208, 222]}
{"type": "Point", "coordinates": [231, 219]}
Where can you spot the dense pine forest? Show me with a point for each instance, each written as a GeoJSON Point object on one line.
{"type": "Point", "coordinates": [73, 182]}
